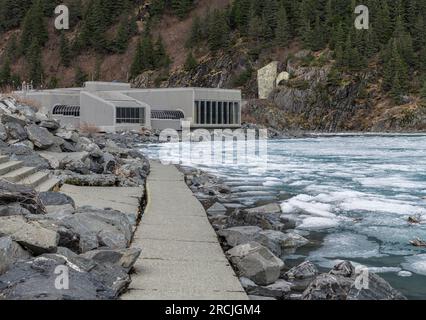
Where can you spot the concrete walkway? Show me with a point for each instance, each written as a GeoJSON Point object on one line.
{"type": "Point", "coordinates": [181, 256]}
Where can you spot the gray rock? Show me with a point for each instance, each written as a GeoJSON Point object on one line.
{"type": "Point", "coordinates": [126, 258]}
{"type": "Point", "coordinates": [272, 208]}
{"type": "Point", "coordinates": [90, 180]}
{"type": "Point", "coordinates": [278, 242]}
{"type": "Point", "coordinates": [35, 280]}
{"type": "Point", "coordinates": [68, 135]}
{"type": "Point", "coordinates": [216, 209]}
{"type": "Point", "coordinates": [16, 131]}
{"type": "Point", "coordinates": [3, 132]}
{"type": "Point", "coordinates": [29, 234]}
{"type": "Point", "coordinates": [256, 263]}
{"type": "Point", "coordinates": [239, 235]}
{"type": "Point", "coordinates": [60, 212]}
{"type": "Point", "coordinates": [344, 269]}
{"type": "Point", "coordinates": [10, 252]}
{"type": "Point", "coordinates": [50, 124]}
{"type": "Point", "coordinates": [109, 163]}
{"type": "Point", "coordinates": [306, 270]}
{"type": "Point", "coordinates": [25, 143]}
{"type": "Point", "coordinates": [27, 197]}
{"type": "Point", "coordinates": [376, 289]}
{"type": "Point", "coordinates": [259, 298]}
{"type": "Point", "coordinates": [41, 137]}
{"type": "Point", "coordinates": [112, 228]}
{"type": "Point", "coordinates": [279, 290]}
{"type": "Point", "coordinates": [68, 147]}
{"type": "Point", "coordinates": [29, 157]}
{"type": "Point", "coordinates": [328, 287]}
{"type": "Point", "coordinates": [88, 242]}
{"type": "Point", "coordinates": [6, 119]}
{"type": "Point", "coordinates": [56, 199]}
{"type": "Point", "coordinates": [13, 209]}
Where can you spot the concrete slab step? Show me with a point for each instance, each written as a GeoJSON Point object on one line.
{"type": "Point", "coordinates": [10, 166]}
{"type": "Point", "coordinates": [49, 185]}
{"type": "Point", "coordinates": [19, 174]}
{"type": "Point", "coordinates": [4, 159]}
{"type": "Point", "coordinates": [35, 179]}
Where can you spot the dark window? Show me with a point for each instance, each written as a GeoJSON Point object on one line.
{"type": "Point", "coordinates": [65, 110]}
{"type": "Point", "coordinates": [167, 115]}
{"type": "Point", "coordinates": [130, 115]}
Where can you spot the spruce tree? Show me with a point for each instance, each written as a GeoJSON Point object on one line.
{"type": "Point", "coordinates": [161, 59]}
{"type": "Point", "coordinates": [123, 35]}
{"type": "Point", "coordinates": [190, 62]}
{"type": "Point", "coordinates": [5, 73]}
{"type": "Point", "coordinates": [137, 65]}
{"type": "Point", "coordinates": [282, 33]}
{"type": "Point", "coordinates": [35, 65]}
{"type": "Point", "coordinates": [64, 51]}
{"type": "Point", "coordinates": [34, 28]}
{"type": "Point", "coordinates": [423, 91]}
{"type": "Point", "coordinates": [196, 33]}
{"type": "Point", "coordinates": [218, 36]}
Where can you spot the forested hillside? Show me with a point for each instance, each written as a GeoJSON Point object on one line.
{"type": "Point", "coordinates": [220, 43]}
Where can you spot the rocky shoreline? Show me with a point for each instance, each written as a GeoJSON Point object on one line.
{"type": "Point", "coordinates": [43, 235]}
{"type": "Point", "coordinates": [256, 238]}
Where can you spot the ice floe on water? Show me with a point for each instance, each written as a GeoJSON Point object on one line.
{"type": "Point", "coordinates": [357, 191]}
{"type": "Point", "coordinates": [416, 264]}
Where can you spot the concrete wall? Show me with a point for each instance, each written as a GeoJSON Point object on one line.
{"type": "Point", "coordinates": [96, 111]}
{"type": "Point", "coordinates": [48, 99]}
{"type": "Point", "coordinates": [105, 86]}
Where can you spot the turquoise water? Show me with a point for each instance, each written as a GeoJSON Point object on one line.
{"type": "Point", "coordinates": [354, 194]}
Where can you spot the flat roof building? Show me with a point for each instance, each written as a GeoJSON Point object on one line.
{"type": "Point", "coordinates": [114, 106]}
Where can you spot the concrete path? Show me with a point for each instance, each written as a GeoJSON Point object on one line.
{"type": "Point", "coordinates": [181, 256]}
{"type": "Point", "coordinates": [126, 200]}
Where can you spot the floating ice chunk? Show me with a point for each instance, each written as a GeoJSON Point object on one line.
{"type": "Point", "coordinates": [318, 223]}
{"type": "Point", "coordinates": [405, 274]}
{"type": "Point", "coordinates": [346, 246]}
{"type": "Point", "coordinates": [384, 269]}
{"type": "Point", "coordinates": [416, 264]}
{"type": "Point", "coordinates": [303, 204]}
{"type": "Point", "coordinates": [380, 205]}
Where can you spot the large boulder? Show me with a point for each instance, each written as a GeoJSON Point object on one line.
{"type": "Point", "coordinates": [216, 209]}
{"type": "Point", "coordinates": [126, 258]}
{"type": "Point", "coordinates": [344, 283]}
{"type": "Point", "coordinates": [377, 289]}
{"type": "Point", "coordinates": [280, 290]}
{"type": "Point", "coordinates": [50, 124]}
{"type": "Point", "coordinates": [27, 197]}
{"type": "Point", "coordinates": [104, 228]}
{"type": "Point", "coordinates": [13, 209]}
{"type": "Point", "coordinates": [266, 217]}
{"type": "Point", "coordinates": [68, 135]}
{"type": "Point", "coordinates": [89, 180]}
{"type": "Point", "coordinates": [26, 154]}
{"type": "Point", "coordinates": [56, 199]}
{"type": "Point", "coordinates": [16, 131]}
{"type": "Point", "coordinates": [41, 137]}
{"type": "Point", "coordinates": [10, 252]}
{"type": "Point", "coordinates": [306, 270]}
{"type": "Point", "coordinates": [256, 263]}
{"type": "Point", "coordinates": [328, 287]}
{"type": "Point", "coordinates": [37, 279]}
{"type": "Point", "coordinates": [30, 234]}
{"type": "Point", "coordinates": [3, 132]}
{"type": "Point", "coordinates": [277, 241]}
{"type": "Point", "coordinates": [239, 235]}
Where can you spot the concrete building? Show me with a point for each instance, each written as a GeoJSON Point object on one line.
{"type": "Point", "coordinates": [116, 106]}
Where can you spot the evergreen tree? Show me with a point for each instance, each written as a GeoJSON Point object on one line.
{"type": "Point", "coordinates": [196, 34]}
{"type": "Point", "coordinates": [218, 33]}
{"type": "Point", "coordinates": [5, 73]}
{"type": "Point", "coordinates": [423, 91]}
{"type": "Point", "coordinates": [80, 77]}
{"type": "Point", "coordinates": [282, 33]}
{"type": "Point", "coordinates": [138, 62]}
{"type": "Point", "coordinates": [64, 51]}
{"type": "Point", "coordinates": [35, 65]}
{"type": "Point", "coordinates": [161, 59]}
{"type": "Point", "coordinates": [190, 63]}
{"type": "Point", "coordinates": [34, 28]}
{"type": "Point", "coordinates": [123, 36]}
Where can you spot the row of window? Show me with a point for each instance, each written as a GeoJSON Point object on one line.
{"type": "Point", "coordinates": [130, 115]}
{"type": "Point", "coordinates": [217, 112]}
{"type": "Point", "coordinates": [167, 115]}
{"type": "Point", "coordinates": [65, 110]}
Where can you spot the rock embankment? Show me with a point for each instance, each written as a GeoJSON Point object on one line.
{"type": "Point", "coordinates": [49, 248]}
{"type": "Point", "coordinates": [257, 240]}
